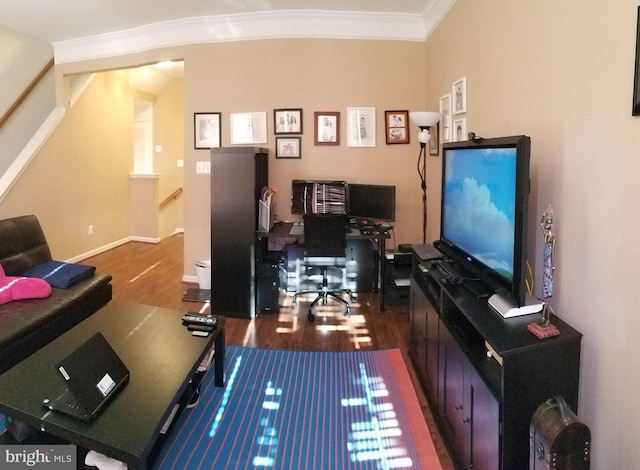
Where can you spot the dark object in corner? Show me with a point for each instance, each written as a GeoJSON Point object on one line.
{"type": "Point", "coordinates": [557, 437]}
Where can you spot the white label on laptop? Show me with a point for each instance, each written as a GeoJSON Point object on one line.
{"type": "Point", "coordinates": [64, 373]}
{"type": "Point", "coordinates": [106, 385]}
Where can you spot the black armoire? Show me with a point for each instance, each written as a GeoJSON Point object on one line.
{"type": "Point", "coordinates": [238, 175]}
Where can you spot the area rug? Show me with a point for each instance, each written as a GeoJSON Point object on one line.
{"type": "Point", "coordinates": [304, 410]}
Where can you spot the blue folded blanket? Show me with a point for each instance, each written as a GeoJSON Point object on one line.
{"type": "Point", "coordinates": [60, 274]}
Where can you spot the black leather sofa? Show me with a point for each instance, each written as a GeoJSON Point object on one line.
{"type": "Point", "coordinates": [27, 325]}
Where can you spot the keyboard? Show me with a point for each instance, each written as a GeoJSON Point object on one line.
{"type": "Point", "coordinates": [427, 252]}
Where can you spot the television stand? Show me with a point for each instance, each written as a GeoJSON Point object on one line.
{"type": "Point", "coordinates": [504, 305]}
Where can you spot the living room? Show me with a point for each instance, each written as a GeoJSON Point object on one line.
{"type": "Point", "coordinates": [537, 69]}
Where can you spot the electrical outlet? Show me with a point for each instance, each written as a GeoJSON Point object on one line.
{"type": "Point", "coordinates": [90, 229]}
{"type": "Point", "coordinates": [203, 167]}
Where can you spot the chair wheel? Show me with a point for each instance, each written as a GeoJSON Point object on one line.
{"type": "Point", "coordinates": [347, 312]}
{"type": "Point", "coordinates": [311, 317]}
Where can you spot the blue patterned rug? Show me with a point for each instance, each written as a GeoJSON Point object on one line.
{"type": "Point", "coordinates": [303, 410]}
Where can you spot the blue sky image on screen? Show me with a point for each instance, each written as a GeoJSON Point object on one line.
{"type": "Point", "coordinates": [479, 205]}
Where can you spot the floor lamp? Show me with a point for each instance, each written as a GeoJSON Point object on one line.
{"type": "Point", "coordinates": [424, 120]}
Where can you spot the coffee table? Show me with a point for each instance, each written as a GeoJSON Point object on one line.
{"type": "Point", "coordinates": [162, 357]}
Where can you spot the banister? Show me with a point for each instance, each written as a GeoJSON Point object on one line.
{"type": "Point", "coordinates": [25, 93]}
{"type": "Point", "coordinates": [173, 195]}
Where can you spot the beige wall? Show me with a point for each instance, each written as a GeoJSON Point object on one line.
{"type": "Point", "coordinates": [562, 73]}
{"type": "Point", "coordinates": [80, 177]}
{"type": "Point", "coordinates": [315, 75]}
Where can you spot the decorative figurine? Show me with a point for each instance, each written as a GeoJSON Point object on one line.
{"type": "Point", "coordinates": [544, 328]}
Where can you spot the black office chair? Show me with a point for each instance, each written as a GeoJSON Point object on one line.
{"type": "Point", "coordinates": [325, 237]}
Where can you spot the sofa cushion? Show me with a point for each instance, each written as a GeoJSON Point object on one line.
{"type": "Point", "coordinates": [22, 317]}
{"type": "Point", "coordinates": [22, 244]}
{"type": "Point", "coordinates": [61, 274]}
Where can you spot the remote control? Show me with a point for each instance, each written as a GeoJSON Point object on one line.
{"type": "Point", "coordinates": [198, 327]}
{"type": "Point", "coordinates": [199, 319]}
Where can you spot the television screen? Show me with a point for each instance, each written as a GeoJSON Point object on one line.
{"type": "Point", "coordinates": [485, 189]}
{"type": "Point", "coordinates": [371, 202]}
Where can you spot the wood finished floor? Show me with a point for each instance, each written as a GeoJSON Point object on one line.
{"type": "Point", "coordinates": [152, 274]}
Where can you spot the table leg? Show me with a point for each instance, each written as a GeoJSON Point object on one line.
{"type": "Point", "coordinates": [219, 360]}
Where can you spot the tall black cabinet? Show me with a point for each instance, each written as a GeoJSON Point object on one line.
{"type": "Point", "coordinates": [238, 175]}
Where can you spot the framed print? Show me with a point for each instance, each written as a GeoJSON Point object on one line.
{"type": "Point", "coordinates": [459, 91]}
{"type": "Point", "coordinates": [326, 128]}
{"type": "Point", "coordinates": [434, 142]}
{"type": "Point", "coordinates": [460, 130]}
{"type": "Point", "coordinates": [287, 121]}
{"type": "Point", "coordinates": [249, 128]}
{"type": "Point", "coordinates": [206, 130]}
{"type": "Point", "coordinates": [361, 127]}
{"type": "Point", "coordinates": [288, 147]}
{"type": "Point", "coordinates": [636, 78]}
{"type": "Point", "coordinates": [396, 125]}
{"type": "Point", "coordinates": [445, 117]}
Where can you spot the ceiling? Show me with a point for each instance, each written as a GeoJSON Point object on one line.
{"type": "Point", "coordinates": [64, 20]}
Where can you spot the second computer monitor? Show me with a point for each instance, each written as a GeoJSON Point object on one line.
{"type": "Point", "coordinates": [371, 202]}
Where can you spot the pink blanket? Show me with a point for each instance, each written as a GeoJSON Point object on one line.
{"type": "Point", "coordinates": [18, 288]}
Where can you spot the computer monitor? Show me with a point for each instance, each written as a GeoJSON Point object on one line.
{"type": "Point", "coordinates": [371, 202]}
{"type": "Point", "coordinates": [318, 197]}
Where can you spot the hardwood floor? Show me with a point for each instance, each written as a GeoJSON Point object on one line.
{"type": "Point", "coordinates": [152, 274]}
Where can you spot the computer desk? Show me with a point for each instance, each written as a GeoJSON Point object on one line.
{"type": "Point", "coordinates": [295, 230]}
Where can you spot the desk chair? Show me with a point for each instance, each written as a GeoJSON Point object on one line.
{"type": "Point", "coordinates": [325, 237]}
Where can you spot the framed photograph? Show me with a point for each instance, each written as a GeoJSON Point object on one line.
{"type": "Point", "coordinates": [249, 128]}
{"type": "Point", "coordinates": [206, 130]}
{"type": "Point", "coordinates": [434, 142]}
{"type": "Point", "coordinates": [459, 91]}
{"type": "Point", "coordinates": [326, 128]}
{"type": "Point", "coordinates": [460, 129]}
{"type": "Point", "coordinates": [396, 125]}
{"type": "Point", "coordinates": [636, 77]}
{"type": "Point", "coordinates": [288, 147]}
{"type": "Point", "coordinates": [361, 127]}
{"type": "Point", "coordinates": [445, 117]}
{"type": "Point", "coordinates": [287, 121]}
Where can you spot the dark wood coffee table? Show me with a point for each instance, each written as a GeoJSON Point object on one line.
{"type": "Point", "coordinates": [162, 357]}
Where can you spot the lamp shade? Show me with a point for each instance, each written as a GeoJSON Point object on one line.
{"type": "Point", "coordinates": [424, 118]}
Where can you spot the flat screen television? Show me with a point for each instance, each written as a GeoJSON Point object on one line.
{"type": "Point", "coordinates": [371, 202]}
{"type": "Point", "coordinates": [485, 194]}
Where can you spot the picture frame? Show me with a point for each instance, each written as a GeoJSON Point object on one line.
{"type": "Point", "coordinates": [206, 130]}
{"type": "Point", "coordinates": [396, 127]}
{"type": "Point", "coordinates": [326, 128]}
{"type": "Point", "coordinates": [249, 128]}
{"type": "Point", "coordinates": [361, 127]}
{"type": "Point", "coordinates": [459, 130]}
{"type": "Point", "coordinates": [288, 147]}
{"type": "Point", "coordinates": [445, 117]}
{"type": "Point", "coordinates": [434, 142]}
{"type": "Point", "coordinates": [459, 94]}
{"type": "Point", "coordinates": [636, 78]}
{"type": "Point", "coordinates": [287, 121]}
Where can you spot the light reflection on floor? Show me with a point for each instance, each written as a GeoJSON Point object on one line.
{"type": "Point", "coordinates": [329, 319]}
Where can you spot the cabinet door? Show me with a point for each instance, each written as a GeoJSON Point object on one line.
{"type": "Point", "coordinates": [418, 328]}
{"type": "Point", "coordinates": [484, 422]}
{"type": "Point", "coordinates": [451, 389]}
{"type": "Point", "coordinates": [432, 333]}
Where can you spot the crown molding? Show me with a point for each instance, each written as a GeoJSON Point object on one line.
{"type": "Point", "coordinates": [255, 26]}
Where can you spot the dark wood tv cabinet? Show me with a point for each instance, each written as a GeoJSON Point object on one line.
{"type": "Point", "coordinates": [484, 408]}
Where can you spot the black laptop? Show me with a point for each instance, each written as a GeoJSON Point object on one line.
{"type": "Point", "coordinates": [92, 375]}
